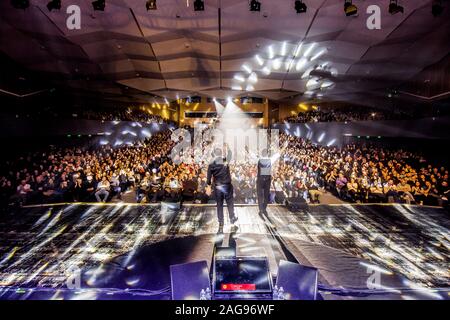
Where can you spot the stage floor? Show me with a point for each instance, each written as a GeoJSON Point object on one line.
{"type": "Point", "coordinates": [124, 251]}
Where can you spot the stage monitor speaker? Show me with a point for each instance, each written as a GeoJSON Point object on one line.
{"type": "Point", "coordinates": [189, 279]}
{"type": "Point", "coordinates": [298, 282]}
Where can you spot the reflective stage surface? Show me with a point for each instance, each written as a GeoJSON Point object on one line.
{"type": "Point", "coordinates": [124, 251]}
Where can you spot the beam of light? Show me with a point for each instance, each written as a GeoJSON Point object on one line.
{"type": "Point", "coordinates": [276, 64]}
{"type": "Point", "coordinates": [299, 48]}
{"type": "Point", "coordinates": [271, 52]}
{"type": "Point", "coordinates": [259, 60]}
{"type": "Point", "coordinates": [9, 255]}
{"type": "Point", "coordinates": [239, 78]}
{"type": "Point", "coordinates": [309, 50]}
{"type": "Point", "coordinates": [297, 132]}
{"type": "Point", "coordinates": [104, 142]}
{"type": "Point", "coordinates": [247, 68]}
{"type": "Point", "coordinates": [330, 143]}
{"type": "Point", "coordinates": [236, 88]}
{"type": "Point", "coordinates": [219, 107]}
{"type": "Point", "coordinates": [283, 49]}
{"type": "Point", "coordinates": [426, 291]}
{"type": "Point", "coordinates": [146, 133]}
{"type": "Point", "coordinates": [322, 135]}
{"type": "Point", "coordinates": [266, 70]}
{"type": "Point", "coordinates": [118, 143]}
{"type": "Point", "coordinates": [300, 64]}
{"type": "Point", "coordinates": [318, 54]}
{"type": "Point", "coordinates": [253, 78]}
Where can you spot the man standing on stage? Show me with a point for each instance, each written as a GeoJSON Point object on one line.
{"type": "Point", "coordinates": [220, 171]}
{"type": "Point", "coordinates": [264, 179]}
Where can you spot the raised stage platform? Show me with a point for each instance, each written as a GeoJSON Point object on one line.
{"type": "Point", "coordinates": [124, 251]}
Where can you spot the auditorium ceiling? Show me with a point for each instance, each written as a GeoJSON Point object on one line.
{"type": "Point", "coordinates": [127, 52]}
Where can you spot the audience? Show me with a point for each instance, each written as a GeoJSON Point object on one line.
{"type": "Point", "coordinates": [304, 170]}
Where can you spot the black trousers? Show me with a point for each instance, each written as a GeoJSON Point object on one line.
{"type": "Point", "coordinates": [263, 192]}
{"type": "Point", "coordinates": [224, 191]}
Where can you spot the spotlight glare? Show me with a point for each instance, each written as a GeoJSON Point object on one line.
{"type": "Point", "coordinates": [271, 53]}
{"type": "Point", "coordinates": [300, 64]}
{"type": "Point", "coordinates": [250, 88]}
{"type": "Point", "coordinates": [239, 78]}
{"type": "Point", "coordinates": [298, 49]}
{"type": "Point", "coordinates": [266, 70]}
{"type": "Point", "coordinates": [276, 64]}
{"type": "Point", "coordinates": [253, 78]}
{"type": "Point", "coordinates": [237, 88]}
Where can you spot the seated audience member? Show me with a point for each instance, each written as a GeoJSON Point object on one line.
{"type": "Point", "coordinates": [89, 188]}
{"type": "Point", "coordinates": [102, 192]}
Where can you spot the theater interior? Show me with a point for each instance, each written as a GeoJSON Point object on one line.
{"type": "Point", "coordinates": [319, 128]}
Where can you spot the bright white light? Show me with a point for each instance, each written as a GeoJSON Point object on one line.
{"type": "Point", "coordinates": [118, 142]}
{"type": "Point", "coordinates": [283, 48]}
{"type": "Point", "coordinates": [238, 88]}
{"type": "Point", "coordinates": [276, 64]}
{"type": "Point", "coordinates": [259, 60]}
{"type": "Point", "coordinates": [309, 93]}
{"type": "Point", "coordinates": [327, 84]}
{"type": "Point", "coordinates": [146, 133]}
{"type": "Point", "coordinates": [253, 78]}
{"type": "Point", "coordinates": [124, 132]}
{"type": "Point", "coordinates": [250, 88]}
{"type": "Point", "coordinates": [239, 77]}
{"type": "Point", "coordinates": [300, 64]}
{"type": "Point", "coordinates": [299, 48]}
{"type": "Point", "coordinates": [266, 70]}
{"type": "Point", "coordinates": [312, 83]}
{"type": "Point", "coordinates": [321, 137]}
{"type": "Point", "coordinates": [108, 133]}
{"type": "Point", "coordinates": [116, 122]}
{"type": "Point", "coordinates": [271, 53]}
{"type": "Point", "coordinates": [329, 144]}
{"type": "Point", "coordinates": [318, 54]}
{"type": "Point", "coordinates": [307, 72]}
{"type": "Point", "coordinates": [247, 68]}
{"type": "Point", "coordinates": [104, 142]}
{"type": "Point", "coordinates": [166, 101]}
{"type": "Point", "coordinates": [229, 99]}
{"type": "Point", "coordinates": [309, 50]}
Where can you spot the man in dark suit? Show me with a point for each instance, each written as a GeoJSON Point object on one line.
{"type": "Point", "coordinates": [219, 170]}
{"type": "Point", "coordinates": [263, 181]}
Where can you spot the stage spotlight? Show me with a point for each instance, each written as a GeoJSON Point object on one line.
{"type": "Point", "coordinates": [199, 5]}
{"type": "Point", "coordinates": [99, 5]}
{"type": "Point", "coordinates": [349, 8]}
{"type": "Point", "coordinates": [437, 8]}
{"type": "Point", "coordinates": [255, 5]}
{"type": "Point", "coordinates": [20, 4]}
{"type": "Point", "coordinates": [54, 5]}
{"type": "Point", "coordinates": [300, 7]}
{"type": "Point", "coordinates": [151, 5]}
{"type": "Point", "coordinates": [394, 7]}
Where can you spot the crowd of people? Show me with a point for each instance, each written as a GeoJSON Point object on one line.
{"type": "Point", "coordinates": [346, 115]}
{"type": "Point", "coordinates": [146, 169]}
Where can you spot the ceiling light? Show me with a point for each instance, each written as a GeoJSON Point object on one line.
{"type": "Point", "coordinates": [20, 4]}
{"type": "Point", "coordinates": [283, 49]}
{"type": "Point", "coordinates": [54, 5]}
{"type": "Point", "coordinates": [151, 5]}
{"type": "Point", "coordinates": [350, 9]}
{"type": "Point", "coordinates": [259, 60]}
{"type": "Point", "coordinates": [250, 88]}
{"type": "Point", "coordinates": [321, 52]}
{"type": "Point", "coordinates": [297, 51]}
{"type": "Point", "coordinates": [276, 64]}
{"type": "Point", "coordinates": [300, 7]}
{"type": "Point", "coordinates": [199, 5]}
{"type": "Point", "coordinates": [255, 5]}
{"type": "Point", "coordinates": [271, 53]}
{"type": "Point", "coordinates": [253, 78]}
{"type": "Point", "coordinates": [394, 7]}
{"type": "Point", "coordinates": [239, 77]}
{"type": "Point", "coordinates": [266, 70]}
{"type": "Point", "coordinates": [247, 68]}
{"type": "Point", "coordinates": [99, 5]}
{"type": "Point", "coordinates": [238, 88]}
{"type": "Point", "coordinates": [309, 50]}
